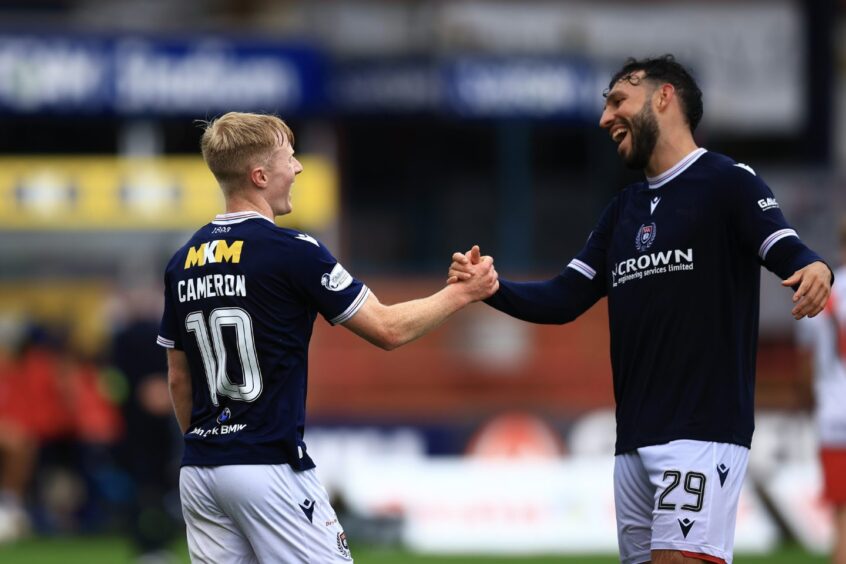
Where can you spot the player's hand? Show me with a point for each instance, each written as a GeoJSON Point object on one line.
{"type": "Point", "coordinates": [483, 280]}
{"type": "Point", "coordinates": [814, 283]}
{"type": "Point", "coordinates": [460, 269]}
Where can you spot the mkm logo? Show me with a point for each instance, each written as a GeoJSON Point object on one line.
{"type": "Point", "coordinates": [214, 251]}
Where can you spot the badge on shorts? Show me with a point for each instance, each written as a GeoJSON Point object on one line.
{"type": "Point", "coordinates": [343, 547]}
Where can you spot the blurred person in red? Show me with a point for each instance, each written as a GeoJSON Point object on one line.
{"type": "Point", "coordinates": [34, 371]}
{"type": "Point", "coordinates": [49, 395]}
{"type": "Point", "coordinates": [822, 340]}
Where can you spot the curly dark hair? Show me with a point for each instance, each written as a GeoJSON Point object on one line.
{"type": "Point", "coordinates": [665, 69]}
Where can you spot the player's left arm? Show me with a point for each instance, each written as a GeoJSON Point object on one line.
{"type": "Point", "coordinates": [763, 228]}
{"type": "Point", "coordinates": [179, 382]}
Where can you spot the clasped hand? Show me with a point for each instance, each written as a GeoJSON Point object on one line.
{"type": "Point", "coordinates": [475, 271]}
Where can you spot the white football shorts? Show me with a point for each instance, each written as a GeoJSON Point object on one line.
{"type": "Point", "coordinates": [259, 514]}
{"type": "Point", "coordinates": [682, 495]}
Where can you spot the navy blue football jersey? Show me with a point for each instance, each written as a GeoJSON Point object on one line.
{"type": "Point", "coordinates": [241, 298]}
{"type": "Point", "coordinates": [678, 257]}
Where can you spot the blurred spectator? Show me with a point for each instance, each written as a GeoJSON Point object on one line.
{"type": "Point", "coordinates": [150, 451]}
{"type": "Point", "coordinates": [823, 341]}
{"type": "Point", "coordinates": [49, 396]}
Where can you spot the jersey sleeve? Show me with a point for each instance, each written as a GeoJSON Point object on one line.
{"type": "Point", "coordinates": [572, 292]}
{"type": "Point", "coordinates": [334, 292]}
{"type": "Point", "coordinates": [169, 328]}
{"type": "Point", "coordinates": [761, 225]}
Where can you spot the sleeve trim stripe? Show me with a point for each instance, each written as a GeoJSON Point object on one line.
{"type": "Point", "coordinates": [166, 343]}
{"type": "Point", "coordinates": [354, 307]}
{"type": "Point", "coordinates": [582, 268]}
{"type": "Point", "coordinates": [773, 239]}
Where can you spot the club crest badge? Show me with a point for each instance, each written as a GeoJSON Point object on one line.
{"type": "Point", "coordinates": [224, 416]}
{"type": "Point", "coordinates": [645, 237]}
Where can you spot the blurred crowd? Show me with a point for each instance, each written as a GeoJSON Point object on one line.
{"type": "Point", "coordinates": [88, 443]}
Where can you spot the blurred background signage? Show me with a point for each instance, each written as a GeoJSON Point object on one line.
{"type": "Point", "coordinates": [144, 75]}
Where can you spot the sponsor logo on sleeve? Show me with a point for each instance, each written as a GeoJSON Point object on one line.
{"type": "Point", "coordinates": [767, 204]}
{"type": "Point", "coordinates": [337, 280]}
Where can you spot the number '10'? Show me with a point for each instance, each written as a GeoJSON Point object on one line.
{"type": "Point", "coordinates": [213, 352]}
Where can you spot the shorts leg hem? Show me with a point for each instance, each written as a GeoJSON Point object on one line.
{"type": "Point", "coordinates": [694, 548]}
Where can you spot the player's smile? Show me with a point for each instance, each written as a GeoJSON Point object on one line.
{"type": "Point", "coordinates": [619, 133]}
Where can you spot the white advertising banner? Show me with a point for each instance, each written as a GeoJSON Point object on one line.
{"type": "Point", "coordinates": [458, 505]}
{"type": "Point", "coordinates": [796, 492]}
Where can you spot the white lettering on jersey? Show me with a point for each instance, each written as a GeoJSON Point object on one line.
{"type": "Point", "coordinates": [211, 286]}
{"type": "Point", "coordinates": [675, 260]}
{"type": "Point", "coordinates": [746, 167]}
{"type": "Point", "coordinates": [336, 280]}
{"type": "Point", "coordinates": [309, 238]}
{"type": "Point", "coordinates": [767, 204]}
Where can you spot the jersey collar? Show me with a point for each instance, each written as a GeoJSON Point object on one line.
{"type": "Point", "coordinates": [237, 217]}
{"type": "Point", "coordinates": [676, 169]}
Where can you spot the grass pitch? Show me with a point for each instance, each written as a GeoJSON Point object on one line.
{"type": "Point", "coordinates": [114, 550]}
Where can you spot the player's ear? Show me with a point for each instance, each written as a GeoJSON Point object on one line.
{"type": "Point", "coordinates": [258, 176]}
{"type": "Point", "coordinates": [664, 95]}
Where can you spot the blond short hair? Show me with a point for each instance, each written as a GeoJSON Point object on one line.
{"type": "Point", "coordinates": [235, 142]}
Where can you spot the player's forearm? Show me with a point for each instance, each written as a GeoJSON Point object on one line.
{"type": "Point", "coordinates": [411, 320]}
{"type": "Point", "coordinates": [556, 301]}
{"type": "Point", "coordinates": [391, 326]}
{"type": "Point", "coordinates": [180, 396]}
{"type": "Point", "coordinates": [179, 384]}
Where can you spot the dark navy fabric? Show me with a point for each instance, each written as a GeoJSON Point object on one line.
{"type": "Point", "coordinates": [243, 315]}
{"type": "Point", "coordinates": [680, 265]}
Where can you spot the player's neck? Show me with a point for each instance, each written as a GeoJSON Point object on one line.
{"type": "Point", "coordinates": [239, 204]}
{"type": "Point", "coordinates": [668, 152]}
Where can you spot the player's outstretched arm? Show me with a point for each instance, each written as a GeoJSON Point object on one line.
{"type": "Point", "coordinates": [558, 300]}
{"type": "Point", "coordinates": [179, 382]}
{"type": "Point", "coordinates": [391, 326]}
{"type": "Point", "coordinates": [814, 283]}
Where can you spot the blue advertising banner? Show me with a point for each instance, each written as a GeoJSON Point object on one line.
{"type": "Point", "coordinates": [523, 87]}
{"type": "Point", "coordinates": [207, 75]}
{"type": "Point", "coordinates": [143, 75]}
{"type": "Point", "coordinates": [471, 87]}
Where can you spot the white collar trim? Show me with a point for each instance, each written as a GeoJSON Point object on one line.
{"type": "Point", "coordinates": [237, 217]}
{"type": "Point", "coordinates": [677, 169]}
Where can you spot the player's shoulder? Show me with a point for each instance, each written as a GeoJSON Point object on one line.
{"type": "Point", "coordinates": [294, 237]}
{"type": "Point", "coordinates": [728, 168]}
{"type": "Point", "coordinates": [298, 242]}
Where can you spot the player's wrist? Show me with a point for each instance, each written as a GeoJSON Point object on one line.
{"type": "Point", "coordinates": [460, 294]}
